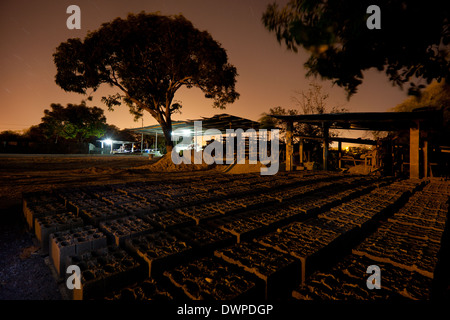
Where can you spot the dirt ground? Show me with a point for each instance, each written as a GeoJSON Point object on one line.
{"type": "Point", "coordinates": [23, 272]}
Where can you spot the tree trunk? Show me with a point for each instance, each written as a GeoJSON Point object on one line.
{"type": "Point", "coordinates": [168, 137]}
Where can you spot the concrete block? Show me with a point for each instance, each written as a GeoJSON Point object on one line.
{"type": "Point", "coordinates": [46, 225]}
{"type": "Point", "coordinates": [61, 249]}
{"type": "Point", "coordinates": [98, 241]}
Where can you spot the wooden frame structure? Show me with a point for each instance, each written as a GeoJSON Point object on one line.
{"type": "Point", "coordinates": [416, 122]}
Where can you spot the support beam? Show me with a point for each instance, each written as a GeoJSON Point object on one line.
{"type": "Point", "coordinates": [289, 147]}
{"type": "Point", "coordinates": [325, 144]}
{"type": "Point", "coordinates": [340, 154]}
{"type": "Point", "coordinates": [300, 151]}
{"type": "Point", "coordinates": [425, 159]}
{"type": "Point", "coordinates": [414, 152]}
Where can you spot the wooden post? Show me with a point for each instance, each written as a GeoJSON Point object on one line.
{"type": "Point", "coordinates": [414, 152]}
{"type": "Point", "coordinates": [425, 159]}
{"type": "Point", "coordinates": [301, 151]}
{"type": "Point", "coordinates": [289, 147]}
{"type": "Point", "coordinates": [325, 144]}
{"type": "Point", "coordinates": [340, 154]}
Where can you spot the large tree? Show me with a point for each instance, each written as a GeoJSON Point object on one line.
{"type": "Point", "coordinates": [77, 122]}
{"type": "Point", "coordinates": [411, 46]}
{"type": "Point", "coordinates": [147, 58]}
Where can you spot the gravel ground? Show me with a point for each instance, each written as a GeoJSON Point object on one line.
{"type": "Point", "coordinates": [23, 272]}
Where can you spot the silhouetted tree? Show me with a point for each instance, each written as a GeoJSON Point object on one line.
{"type": "Point", "coordinates": [412, 44]}
{"type": "Point", "coordinates": [9, 135]}
{"type": "Point", "coordinates": [78, 122]}
{"type": "Point", "coordinates": [147, 57]}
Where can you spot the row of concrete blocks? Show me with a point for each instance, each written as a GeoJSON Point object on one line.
{"type": "Point", "coordinates": [125, 228]}
{"type": "Point", "coordinates": [103, 271]}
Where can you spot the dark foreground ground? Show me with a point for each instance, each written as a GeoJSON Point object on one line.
{"type": "Point", "coordinates": [297, 236]}
{"type": "Point", "coordinates": [23, 272]}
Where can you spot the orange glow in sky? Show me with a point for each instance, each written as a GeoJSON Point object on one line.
{"type": "Point", "coordinates": [268, 73]}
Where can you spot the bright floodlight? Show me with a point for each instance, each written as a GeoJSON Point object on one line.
{"type": "Point", "coordinates": [108, 141]}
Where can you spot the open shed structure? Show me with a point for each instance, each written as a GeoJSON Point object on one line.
{"type": "Point", "coordinates": [221, 122]}
{"type": "Point", "coordinates": [417, 122]}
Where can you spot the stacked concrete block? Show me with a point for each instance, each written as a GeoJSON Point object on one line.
{"type": "Point", "coordinates": [93, 216]}
{"type": "Point", "coordinates": [307, 243]}
{"type": "Point", "coordinates": [38, 210]}
{"type": "Point", "coordinates": [35, 198]}
{"type": "Point", "coordinates": [79, 205]}
{"type": "Point", "coordinates": [167, 220]}
{"type": "Point", "coordinates": [159, 250]}
{"type": "Point", "coordinates": [193, 199]}
{"type": "Point", "coordinates": [46, 225]}
{"type": "Point", "coordinates": [174, 193]}
{"type": "Point", "coordinates": [103, 271]}
{"type": "Point", "coordinates": [125, 228]}
{"type": "Point", "coordinates": [117, 198]}
{"type": "Point", "coordinates": [211, 278]}
{"type": "Point", "coordinates": [241, 226]}
{"type": "Point", "coordinates": [66, 244]}
{"type": "Point", "coordinates": [138, 207]}
{"type": "Point", "coordinates": [201, 213]}
{"type": "Point", "coordinates": [347, 281]}
{"type": "Point", "coordinates": [149, 289]}
{"type": "Point", "coordinates": [204, 238]}
{"type": "Point", "coordinates": [71, 194]}
{"type": "Point", "coordinates": [236, 190]}
{"type": "Point", "coordinates": [277, 270]}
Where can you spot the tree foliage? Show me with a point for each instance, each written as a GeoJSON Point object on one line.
{"type": "Point", "coordinates": [436, 95]}
{"type": "Point", "coordinates": [78, 122]}
{"type": "Point", "coordinates": [147, 58]}
{"type": "Point", "coordinates": [412, 44]}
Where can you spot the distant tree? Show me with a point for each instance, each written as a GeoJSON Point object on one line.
{"type": "Point", "coordinates": [78, 122]}
{"type": "Point", "coordinates": [311, 101]}
{"type": "Point", "coordinates": [314, 101]}
{"type": "Point", "coordinates": [9, 135]}
{"type": "Point", "coordinates": [412, 44]}
{"type": "Point", "coordinates": [115, 133]}
{"type": "Point", "coordinates": [269, 122]}
{"type": "Point", "coordinates": [35, 133]}
{"type": "Point", "coordinates": [147, 58]}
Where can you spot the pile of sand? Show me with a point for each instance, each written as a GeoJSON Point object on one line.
{"type": "Point", "coordinates": [165, 164]}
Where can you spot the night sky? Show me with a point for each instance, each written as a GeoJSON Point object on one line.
{"type": "Point", "coordinates": [268, 73]}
